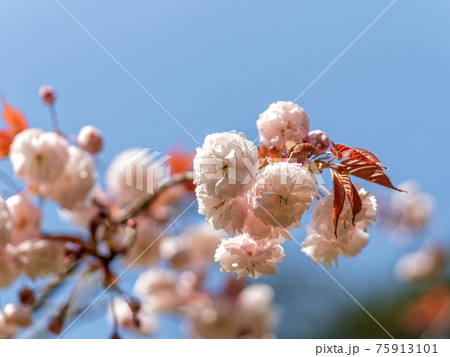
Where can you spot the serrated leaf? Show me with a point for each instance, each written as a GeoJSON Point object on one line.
{"type": "Point", "coordinates": [346, 152]}
{"type": "Point", "coordinates": [371, 173]}
{"type": "Point", "coordinates": [352, 193]}
{"type": "Point", "coordinates": [338, 199]}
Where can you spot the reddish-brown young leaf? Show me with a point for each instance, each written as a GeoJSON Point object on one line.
{"type": "Point", "coordinates": [355, 201]}
{"type": "Point", "coordinates": [299, 152]}
{"type": "Point", "coordinates": [338, 199]}
{"type": "Point", "coordinates": [352, 193]}
{"type": "Point", "coordinates": [363, 155]}
{"type": "Point", "coordinates": [335, 150]}
{"type": "Point", "coordinates": [6, 139]}
{"type": "Point", "coordinates": [371, 173]}
{"type": "Point", "coordinates": [369, 156]}
{"type": "Point", "coordinates": [14, 118]}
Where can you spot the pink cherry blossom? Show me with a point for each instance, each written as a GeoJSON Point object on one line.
{"type": "Point", "coordinates": [421, 266]}
{"type": "Point", "coordinates": [38, 157]}
{"type": "Point", "coordinates": [27, 218]}
{"type": "Point", "coordinates": [228, 215]}
{"type": "Point", "coordinates": [40, 258]}
{"type": "Point", "coordinates": [160, 289]}
{"type": "Point", "coordinates": [326, 248]}
{"type": "Point", "coordinates": [76, 181]}
{"type": "Point", "coordinates": [245, 256]}
{"type": "Point", "coordinates": [210, 317]}
{"type": "Point", "coordinates": [282, 193]}
{"type": "Point", "coordinates": [321, 243]}
{"type": "Point", "coordinates": [280, 122]}
{"type": "Point", "coordinates": [413, 210]}
{"type": "Point", "coordinates": [259, 315]}
{"type": "Point", "coordinates": [225, 165]}
{"type": "Point", "coordinates": [195, 247]}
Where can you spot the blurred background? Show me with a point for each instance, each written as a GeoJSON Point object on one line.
{"type": "Point", "coordinates": [215, 65]}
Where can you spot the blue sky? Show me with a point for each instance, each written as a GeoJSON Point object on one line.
{"type": "Point", "coordinates": [215, 65]}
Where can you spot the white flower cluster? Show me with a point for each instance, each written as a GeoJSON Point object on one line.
{"type": "Point", "coordinates": [323, 245]}
{"type": "Point", "coordinates": [21, 250]}
{"type": "Point", "coordinates": [256, 201]}
{"type": "Point", "coordinates": [248, 312]}
{"type": "Point", "coordinates": [59, 171]}
{"type": "Point", "coordinates": [56, 170]}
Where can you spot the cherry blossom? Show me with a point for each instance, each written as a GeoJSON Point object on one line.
{"type": "Point", "coordinates": [196, 246]}
{"type": "Point", "coordinates": [76, 181]}
{"type": "Point", "coordinates": [27, 218]}
{"type": "Point", "coordinates": [323, 245]}
{"type": "Point", "coordinates": [38, 157]}
{"type": "Point", "coordinates": [245, 256]}
{"type": "Point", "coordinates": [259, 315]}
{"type": "Point", "coordinates": [420, 266]}
{"type": "Point", "coordinates": [228, 215]}
{"type": "Point", "coordinates": [280, 122]}
{"type": "Point", "coordinates": [225, 165]}
{"type": "Point", "coordinates": [213, 318]}
{"type": "Point", "coordinates": [39, 258]}
{"type": "Point", "coordinates": [252, 197]}
{"type": "Point", "coordinates": [159, 288]}
{"type": "Point", "coordinates": [283, 192]}
{"type": "Point", "coordinates": [413, 210]}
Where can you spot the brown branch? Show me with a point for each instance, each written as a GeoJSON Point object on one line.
{"type": "Point", "coordinates": [187, 177]}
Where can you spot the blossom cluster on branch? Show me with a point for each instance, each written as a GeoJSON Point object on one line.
{"type": "Point", "coordinates": [129, 223]}
{"type": "Point", "coordinates": [258, 195]}
{"type": "Point", "coordinates": [252, 197]}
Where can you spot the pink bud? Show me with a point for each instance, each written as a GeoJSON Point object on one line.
{"type": "Point", "coordinates": [47, 94]}
{"type": "Point", "coordinates": [320, 140]}
{"type": "Point", "coordinates": [20, 314]}
{"type": "Point", "coordinates": [90, 139]}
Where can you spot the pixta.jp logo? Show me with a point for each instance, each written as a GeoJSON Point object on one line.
{"type": "Point", "coordinates": [148, 170]}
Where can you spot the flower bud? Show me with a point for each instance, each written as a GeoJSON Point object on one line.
{"type": "Point", "coordinates": [320, 140]}
{"type": "Point", "coordinates": [90, 139]}
{"type": "Point", "coordinates": [26, 296]}
{"type": "Point", "coordinates": [55, 325]}
{"type": "Point", "coordinates": [20, 314]}
{"type": "Point", "coordinates": [47, 94]}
